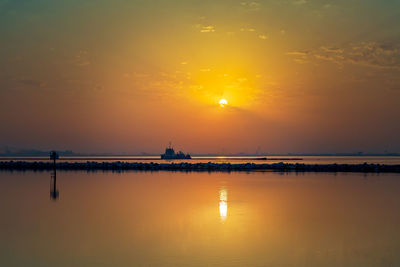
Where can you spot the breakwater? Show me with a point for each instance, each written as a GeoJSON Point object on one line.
{"type": "Point", "coordinates": [184, 166]}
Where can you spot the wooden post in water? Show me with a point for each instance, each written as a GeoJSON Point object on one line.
{"type": "Point", "coordinates": [53, 180]}
{"type": "Point", "coordinates": [54, 156]}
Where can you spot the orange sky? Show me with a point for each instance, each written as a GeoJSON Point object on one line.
{"type": "Point", "coordinates": [130, 76]}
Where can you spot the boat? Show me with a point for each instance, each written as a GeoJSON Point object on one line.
{"type": "Point", "coordinates": [170, 154]}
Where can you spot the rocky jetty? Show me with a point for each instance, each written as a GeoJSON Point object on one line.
{"type": "Point", "coordinates": [120, 166]}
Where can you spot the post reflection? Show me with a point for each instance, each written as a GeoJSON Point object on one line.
{"type": "Point", "coordinates": [54, 193]}
{"type": "Point", "coordinates": [223, 204]}
{"type": "Point", "coordinates": [53, 176]}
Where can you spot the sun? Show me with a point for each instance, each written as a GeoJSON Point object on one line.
{"type": "Point", "coordinates": [223, 102]}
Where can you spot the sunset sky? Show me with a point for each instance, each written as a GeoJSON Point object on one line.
{"type": "Point", "coordinates": [302, 76]}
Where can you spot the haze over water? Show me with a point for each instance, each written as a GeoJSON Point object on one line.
{"type": "Point", "coordinates": [199, 219]}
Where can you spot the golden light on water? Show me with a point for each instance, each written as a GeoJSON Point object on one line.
{"type": "Point", "coordinates": [223, 102]}
{"type": "Point", "coordinates": [223, 204]}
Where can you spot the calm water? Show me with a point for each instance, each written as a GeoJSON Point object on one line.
{"type": "Point", "coordinates": [199, 219]}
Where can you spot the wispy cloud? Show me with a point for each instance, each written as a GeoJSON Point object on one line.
{"type": "Point", "coordinates": [375, 55]}
{"type": "Point", "coordinates": [205, 70]}
{"type": "Point", "coordinates": [300, 2]}
{"type": "Point", "coordinates": [81, 59]}
{"type": "Point", "coordinates": [205, 28]}
{"type": "Point", "coordinates": [370, 54]}
{"type": "Point", "coordinates": [332, 49]}
{"type": "Point", "coordinates": [261, 36]}
{"type": "Point", "coordinates": [251, 5]}
{"type": "Point", "coordinates": [32, 82]}
{"type": "Point", "coordinates": [297, 53]}
{"type": "Point", "coordinates": [247, 29]}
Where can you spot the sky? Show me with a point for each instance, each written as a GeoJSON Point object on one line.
{"type": "Point", "coordinates": [299, 76]}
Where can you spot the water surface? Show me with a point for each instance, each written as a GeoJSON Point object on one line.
{"type": "Point", "coordinates": [199, 219]}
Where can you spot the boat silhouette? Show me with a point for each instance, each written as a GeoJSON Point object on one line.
{"type": "Point", "coordinates": [170, 154]}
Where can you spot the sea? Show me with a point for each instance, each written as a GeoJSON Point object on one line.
{"type": "Point", "coordinates": [165, 218]}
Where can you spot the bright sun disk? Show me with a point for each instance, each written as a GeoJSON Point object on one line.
{"type": "Point", "coordinates": [223, 102]}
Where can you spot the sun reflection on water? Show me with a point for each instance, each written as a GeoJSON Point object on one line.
{"type": "Point", "coordinates": [223, 204]}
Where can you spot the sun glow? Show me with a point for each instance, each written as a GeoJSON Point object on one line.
{"type": "Point", "coordinates": [223, 102]}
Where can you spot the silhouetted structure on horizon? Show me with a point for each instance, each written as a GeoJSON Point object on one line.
{"type": "Point", "coordinates": [170, 154]}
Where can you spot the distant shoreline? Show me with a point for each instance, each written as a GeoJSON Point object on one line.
{"type": "Point", "coordinates": [148, 158]}
{"type": "Point", "coordinates": [211, 167]}
{"type": "Point", "coordinates": [105, 155]}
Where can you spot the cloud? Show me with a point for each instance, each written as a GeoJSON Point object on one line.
{"type": "Point", "coordinates": [297, 53]}
{"type": "Point", "coordinates": [247, 29]}
{"type": "Point", "coordinates": [300, 2]}
{"type": "Point", "coordinates": [257, 34]}
{"type": "Point", "coordinates": [328, 58]}
{"type": "Point", "coordinates": [373, 54]}
{"type": "Point", "coordinates": [369, 54]}
{"type": "Point", "coordinates": [81, 59]}
{"type": "Point", "coordinates": [332, 49]}
{"type": "Point", "coordinates": [252, 6]}
{"type": "Point", "coordinates": [31, 82]}
{"type": "Point", "coordinates": [207, 29]}
{"type": "Point", "coordinates": [300, 61]}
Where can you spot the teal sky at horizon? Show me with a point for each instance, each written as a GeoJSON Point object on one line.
{"type": "Point", "coordinates": [301, 76]}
